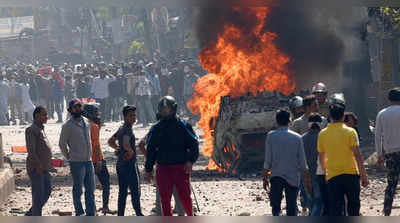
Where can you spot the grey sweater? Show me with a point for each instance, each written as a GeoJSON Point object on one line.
{"type": "Point", "coordinates": [75, 142]}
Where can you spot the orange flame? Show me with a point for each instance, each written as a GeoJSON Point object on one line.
{"type": "Point", "coordinates": [239, 62]}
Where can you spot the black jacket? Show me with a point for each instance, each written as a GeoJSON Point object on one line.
{"type": "Point", "coordinates": [171, 142]}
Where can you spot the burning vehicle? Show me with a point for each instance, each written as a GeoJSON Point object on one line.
{"type": "Point", "coordinates": [235, 99]}
{"type": "Point", "coordinates": [241, 128]}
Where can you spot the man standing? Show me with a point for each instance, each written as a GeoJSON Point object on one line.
{"type": "Point", "coordinates": [57, 98]}
{"type": "Point", "coordinates": [4, 92]}
{"type": "Point", "coordinates": [296, 107]}
{"type": "Point", "coordinates": [92, 112]}
{"type": "Point", "coordinates": [15, 100]}
{"type": "Point", "coordinates": [284, 164]}
{"type": "Point", "coordinates": [154, 79]}
{"type": "Point", "coordinates": [69, 89]}
{"type": "Point", "coordinates": [143, 91]}
{"type": "Point", "coordinates": [127, 169]}
{"type": "Point", "coordinates": [76, 147]}
{"type": "Point", "coordinates": [341, 160]}
{"type": "Point", "coordinates": [321, 93]}
{"type": "Point", "coordinates": [38, 162]}
{"type": "Point", "coordinates": [157, 209]}
{"type": "Point", "coordinates": [173, 145]}
{"type": "Point", "coordinates": [310, 140]}
{"type": "Point", "coordinates": [300, 126]}
{"type": "Point", "coordinates": [310, 105]}
{"type": "Point", "coordinates": [100, 91]}
{"type": "Point", "coordinates": [116, 93]}
{"type": "Point", "coordinates": [387, 143]}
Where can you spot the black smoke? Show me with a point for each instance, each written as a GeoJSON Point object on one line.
{"type": "Point", "coordinates": [312, 46]}
{"type": "Point", "coordinates": [313, 38]}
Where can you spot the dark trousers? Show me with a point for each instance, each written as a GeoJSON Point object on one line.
{"type": "Point", "coordinates": [169, 176]}
{"type": "Point", "coordinates": [104, 178]}
{"type": "Point", "coordinates": [41, 190]}
{"type": "Point", "coordinates": [128, 177]}
{"type": "Point", "coordinates": [116, 104]}
{"type": "Point", "coordinates": [278, 185]}
{"type": "Point", "coordinates": [393, 167]}
{"type": "Point", "coordinates": [104, 114]}
{"type": "Point", "coordinates": [55, 106]}
{"type": "Point", "coordinates": [323, 187]}
{"type": "Point", "coordinates": [338, 187]}
{"type": "Point", "coordinates": [154, 101]}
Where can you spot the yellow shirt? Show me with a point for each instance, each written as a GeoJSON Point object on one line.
{"type": "Point", "coordinates": [336, 141]}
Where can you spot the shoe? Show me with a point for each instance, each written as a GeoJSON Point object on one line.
{"type": "Point", "coordinates": [28, 213]}
{"type": "Point", "coordinates": [154, 212]}
{"type": "Point", "coordinates": [108, 211]}
{"type": "Point", "coordinates": [59, 121]}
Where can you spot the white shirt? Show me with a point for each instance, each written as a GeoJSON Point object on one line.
{"type": "Point", "coordinates": [26, 99]}
{"type": "Point", "coordinates": [100, 87]}
{"type": "Point", "coordinates": [387, 130]}
{"type": "Point", "coordinates": [143, 87]}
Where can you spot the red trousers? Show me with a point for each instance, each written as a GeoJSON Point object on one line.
{"type": "Point", "coordinates": [167, 176]}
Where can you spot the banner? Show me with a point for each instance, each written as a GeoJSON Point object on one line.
{"type": "Point", "coordinates": [12, 26]}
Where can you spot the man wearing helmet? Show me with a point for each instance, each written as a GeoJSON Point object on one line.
{"type": "Point", "coordinates": [296, 107]}
{"type": "Point", "coordinates": [321, 93]}
{"type": "Point", "coordinates": [173, 145]}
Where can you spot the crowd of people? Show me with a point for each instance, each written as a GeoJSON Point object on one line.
{"type": "Point", "coordinates": [80, 145]}
{"type": "Point", "coordinates": [139, 81]}
{"type": "Point", "coordinates": [316, 151]}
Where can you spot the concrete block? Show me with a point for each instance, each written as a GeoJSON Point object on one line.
{"type": "Point", "coordinates": [7, 184]}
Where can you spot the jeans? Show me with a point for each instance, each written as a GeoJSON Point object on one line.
{"type": "Point", "coordinates": [305, 198]}
{"type": "Point", "coordinates": [104, 178]}
{"type": "Point", "coordinates": [393, 165]}
{"type": "Point", "coordinates": [339, 186]}
{"type": "Point", "coordinates": [316, 202]}
{"type": "Point", "coordinates": [41, 190]}
{"type": "Point", "coordinates": [279, 184]}
{"type": "Point", "coordinates": [83, 175]}
{"type": "Point", "coordinates": [146, 112]}
{"type": "Point", "coordinates": [323, 188]}
{"type": "Point", "coordinates": [169, 176]}
{"type": "Point", "coordinates": [128, 177]}
{"type": "Point", "coordinates": [56, 105]}
{"type": "Point", "coordinates": [154, 101]}
{"type": "Point", "coordinates": [116, 108]}
{"type": "Point", "coordinates": [104, 113]}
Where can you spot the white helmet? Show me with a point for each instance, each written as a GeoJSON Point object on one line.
{"type": "Point", "coordinates": [319, 87]}
{"type": "Point", "coordinates": [295, 102]}
{"type": "Point", "coordinates": [337, 98]}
